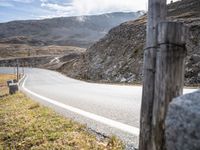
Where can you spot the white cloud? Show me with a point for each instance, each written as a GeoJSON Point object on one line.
{"type": "Point", "coordinates": [58, 10]}
{"type": "Point", "coordinates": [90, 7]}
{"type": "Point", "coordinates": [55, 6]}
{"type": "Point", "coordinates": [100, 6]}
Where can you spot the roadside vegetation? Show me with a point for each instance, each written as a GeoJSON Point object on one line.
{"type": "Point", "coordinates": [25, 124]}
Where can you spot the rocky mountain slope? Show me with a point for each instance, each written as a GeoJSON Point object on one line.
{"type": "Point", "coordinates": [80, 31]}
{"type": "Point", "coordinates": [118, 57]}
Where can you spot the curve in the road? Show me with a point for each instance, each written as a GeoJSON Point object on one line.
{"type": "Point", "coordinates": [106, 121]}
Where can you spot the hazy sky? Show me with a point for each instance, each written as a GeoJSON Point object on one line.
{"type": "Point", "coordinates": [39, 9]}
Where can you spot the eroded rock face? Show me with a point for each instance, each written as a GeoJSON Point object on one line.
{"type": "Point", "coordinates": [193, 59]}
{"type": "Point", "coordinates": [118, 57]}
{"type": "Point", "coordinates": [183, 123]}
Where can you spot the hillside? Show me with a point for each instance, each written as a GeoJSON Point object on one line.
{"type": "Point", "coordinates": [80, 31]}
{"type": "Point", "coordinates": [24, 50]}
{"type": "Point", "coordinates": [118, 57]}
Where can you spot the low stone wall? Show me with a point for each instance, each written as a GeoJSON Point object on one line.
{"type": "Point", "coordinates": [183, 123]}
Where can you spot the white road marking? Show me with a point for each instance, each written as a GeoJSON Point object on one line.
{"type": "Point", "coordinates": [106, 121]}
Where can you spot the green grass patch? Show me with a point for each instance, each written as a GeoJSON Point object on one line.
{"type": "Point", "coordinates": [25, 124]}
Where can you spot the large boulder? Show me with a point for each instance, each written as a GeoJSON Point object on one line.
{"type": "Point", "coordinates": [183, 123]}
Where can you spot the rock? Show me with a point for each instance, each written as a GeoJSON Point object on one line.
{"type": "Point", "coordinates": [183, 123]}
{"type": "Point", "coordinates": [13, 88]}
{"type": "Point", "coordinates": [195, 58]}
{"type": "Point", "coordinates": [123, 79]}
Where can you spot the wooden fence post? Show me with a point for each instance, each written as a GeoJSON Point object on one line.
{"type": "Point", "coordinates": [169, 77]}
{"type": "Point", "coordinates": [156, 13]}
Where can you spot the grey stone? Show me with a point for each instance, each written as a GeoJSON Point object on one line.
{"type": "Point", "coordinates": [195, 58]}
{"type": "Point", "coordinates": [183, 123]}
{"type": "Point", "coordinates": [13, 88]}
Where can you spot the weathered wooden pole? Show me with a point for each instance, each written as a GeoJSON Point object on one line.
{"type": "Point", "coordinates": [156, 13]}
{"type": "Point", "coordinates": [169, 77]}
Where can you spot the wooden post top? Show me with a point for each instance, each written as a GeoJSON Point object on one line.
{"type": "Point", "coordinates": [172, 33]}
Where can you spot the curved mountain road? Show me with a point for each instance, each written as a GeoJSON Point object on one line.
{"type": "Point", "coordinates": [105, 109]}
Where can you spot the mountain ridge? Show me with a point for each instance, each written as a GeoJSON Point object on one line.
{"type": "Point", "coordinates": [81, 31]}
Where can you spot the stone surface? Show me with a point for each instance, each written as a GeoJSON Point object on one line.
{"type": "Point", "coordinates": [183, 123]}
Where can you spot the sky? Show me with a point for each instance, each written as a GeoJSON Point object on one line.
{"type": "Point", "coordinates": [40, 9]}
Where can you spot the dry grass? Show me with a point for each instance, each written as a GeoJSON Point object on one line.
{"type": "Point", "coordinates": [3, 83]}
{"type": "Point", "coordinates": [5, 77]}
{"type": "Point", "coordinates": [25, 124]}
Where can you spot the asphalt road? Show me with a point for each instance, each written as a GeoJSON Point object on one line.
{"type": "Point", "coordinates": [105, 109]}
